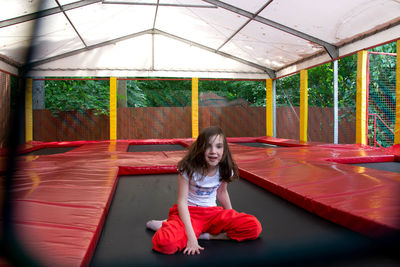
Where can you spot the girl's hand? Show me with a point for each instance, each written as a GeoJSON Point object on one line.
{"type": "Point", "coordinates": [192, 247]}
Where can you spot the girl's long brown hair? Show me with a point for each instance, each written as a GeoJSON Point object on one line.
{"type": "Point", "coordinates": [194, 160]}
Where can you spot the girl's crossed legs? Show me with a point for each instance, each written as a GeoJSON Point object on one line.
{"type": "Point", "coordinates": [171, 237]}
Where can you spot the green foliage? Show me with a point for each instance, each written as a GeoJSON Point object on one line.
{"type": "Point", "coordinates": [159, 93]}
{"type": "Point", "coordinates": [320, 86]}
{"type": "Point", "coordinates": [347, 81]}
{"type": "Point", "coordinates": [251, 91]}
{"type": "Point", "coordinates": [80, 95]}
{"type": "Point", "coordinates": [177, 93]}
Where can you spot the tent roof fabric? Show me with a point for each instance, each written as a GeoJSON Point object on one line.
{"type": "Point", "coordinates": [192, 38]}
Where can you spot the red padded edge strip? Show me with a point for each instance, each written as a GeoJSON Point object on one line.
{"type": "Point", "coordinates": [242, 139]}
{"type": "Point", "coordinates": [369, 159]}
{"type": "Point", "coordinates": [281, 142]}
{"type": "Point", "coordinates": [128, 170]}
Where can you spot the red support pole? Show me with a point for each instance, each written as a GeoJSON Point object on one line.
{"type": "Point", "coordinates": [375, 130]}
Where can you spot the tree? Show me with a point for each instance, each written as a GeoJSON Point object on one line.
{"type": "Point", "coordinates": [80, 95]}
{"type": "Point", "coordinates": [251, 91]}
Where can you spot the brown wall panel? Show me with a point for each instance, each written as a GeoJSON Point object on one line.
{"type": "Point", "coordinates": [236, 121]}
{"type": "Point", "coordinates": [175, 122]}
{"type": "Point", "coordinates": [154, 122]}
{"type": "Point", "coordinates": [287, 122]}
{"type": "Point", "coordinates": [69, 126]}
{"type": "Point", "coordinates": [320, 124]}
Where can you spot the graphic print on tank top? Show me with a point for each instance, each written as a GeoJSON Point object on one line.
{"type": "Point", "coordinates": [205, 191]}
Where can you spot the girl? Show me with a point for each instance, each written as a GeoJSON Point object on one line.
{"type": "Point", "coordinates": [204, 174]}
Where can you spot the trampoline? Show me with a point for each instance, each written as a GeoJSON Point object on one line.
{"type": "Point", "coordinates": [257, 145]}
{"type": "Point", "coordinates": [49, 151]}
{"type": "Point", "coordinates": [163, 147]}
{"type": "Point", "coordinates": [89, 206]}
{"type": "Point", "coordinates": [383, 166]}
{"type": "Point", "coordinates": [290, 234]}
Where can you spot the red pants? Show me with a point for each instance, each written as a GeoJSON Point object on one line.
{"type": "Point", "coordinates": [171, 237]}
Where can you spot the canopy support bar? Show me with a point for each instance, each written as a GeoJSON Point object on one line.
{"type": "Point", "coordinates": [90, 47]}
{"type": "Point", "coordinates": [47, 12]}
{"type": "Point", "coordinates": [244, 25]}
{"type": "Point", "coordinates": [156, 4]}
{"type": "Point", "coordinates": [70, 22]}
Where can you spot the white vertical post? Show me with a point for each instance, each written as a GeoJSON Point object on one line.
{"type": "Point", "coordinates": [335, 102]}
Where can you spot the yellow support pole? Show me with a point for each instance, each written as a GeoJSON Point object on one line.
{"type": "Point", "coordinates": [361, 112]}
{"type": "Point", "coordinates": [397, 125]}
{"type": "Point", "coordinates": [195, 107]}
{"type": "Point", "coordinates": [28, 111]}
{"type": "Point", "coordinates": [269, 108]}
{"type": "Point", "coordinates": [113, 108]}
{"type": "Point", "coordinates": [303, 105]}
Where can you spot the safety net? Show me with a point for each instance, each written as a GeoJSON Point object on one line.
{"type": "Point", "coordinates": [382, 98]}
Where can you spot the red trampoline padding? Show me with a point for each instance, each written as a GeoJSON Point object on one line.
{"type": "Point", "coordinates": [395, 150]}
{"type": "Point", "coordinates": [56, 246]}
{"type": "Point", "coordinates": [281, 142]}
{"type": "Point", "coordinates": [69, 232]}
{"type": "Point", "coordinates": [127, 170]}
{"type": "Point", "coordinates": [242, 139]}
{"type": "Point", "coordinates": [177, 141]}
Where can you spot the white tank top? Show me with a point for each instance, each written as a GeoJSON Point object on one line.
{"type": "Point", "coordinates": [203, 190]}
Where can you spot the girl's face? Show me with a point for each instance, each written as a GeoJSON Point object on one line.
{"type": "Point", "coordinates": [214, 150]}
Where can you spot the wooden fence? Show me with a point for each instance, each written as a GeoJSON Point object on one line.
{"type": "Point", "coordinates": [69, 126]}
{"type": "Point", "coordinates": [175, 122]}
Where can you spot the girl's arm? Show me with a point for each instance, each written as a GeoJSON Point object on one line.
{"type": "Point", "coordinates": [223, 196]}
{"type": "Point", "coordinates": [192, 246]}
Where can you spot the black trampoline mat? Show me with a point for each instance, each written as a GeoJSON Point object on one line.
{"type": "Point", "coordinates": [290, 234]}
{"type": "Point", "coordinates": [256, 144]}
{"type": "Point", "coordinates": [160, 147]}
{"type": "Point", "coordinates": [50, 151]}
{"type": "Point", "coordinates": [393, 166]}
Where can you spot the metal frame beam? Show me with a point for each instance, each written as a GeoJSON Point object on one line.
{"type": "Point", "coordinates": [70, 22]}
{"type": "Point", "coordinates": [10, 61]}
{"type": "Point", "coordinates": [330, 49]}
{"type": "Point", "coordinates": [90, 47]}
{"type": "Point", "coordinates": [157, 4]}
{"type": "Point", "coordinates": [47, 12]}
{"type": "Point", "coordinates": [244, 25]}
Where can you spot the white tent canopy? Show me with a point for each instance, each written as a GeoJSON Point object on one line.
{"type": "Point", "coordinates": [188, 38]}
